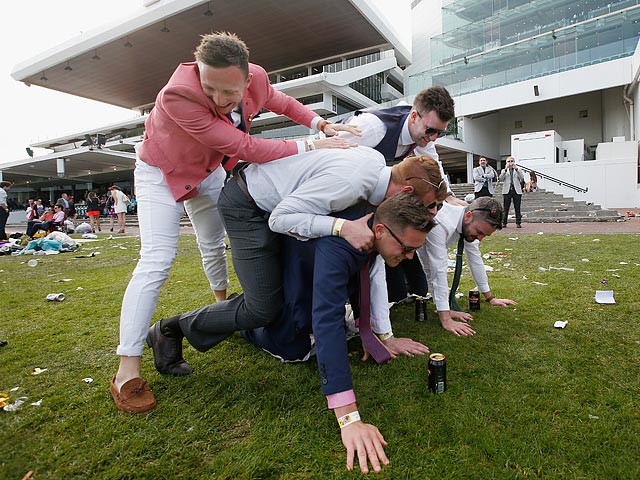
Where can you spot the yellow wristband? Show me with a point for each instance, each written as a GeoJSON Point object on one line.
{"type": "Point", "coordinates": [337, 227]}
{"type": "Point", "coordinates": [385, 336]}
{"type": "Point", "coordinates": [348, 419]}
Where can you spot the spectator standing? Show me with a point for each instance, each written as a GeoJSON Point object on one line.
{"type": "Point", "coordinates": [4, 208]}
{"type": "Point", "coordinates": [512, 179]}
{"type": "Point", "coordinates": [93, 211]}
{"type": "Point", "coordinates": [63, 201]}
{"type": "Point", "coordinates": [32, 212]}
{"type": "Point", "coordinates": [483, 176]}
{"type": "Point", "coordinates": [109, 208]}
{"type": "Point", "coordinates": [39, 207]}
{"type": "Point", "coordinates": [71, 212]}
{"type": "Point", "coordinates": [119, 206]}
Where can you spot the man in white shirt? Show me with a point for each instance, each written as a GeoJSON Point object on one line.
{"type": "Point", "coordinates": [397, 132]}
{"type": "Point", "coordinates": [474, 222]}
{"type": "Point", "coordinates": [300, 191]}
{"type": "Point", "coordinates": [4, 208]}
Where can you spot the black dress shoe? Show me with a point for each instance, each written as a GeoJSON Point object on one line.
{"type": "Point", "coordinates": [519, 226]}
{"type": "Point", "coordinates": [167, 353]}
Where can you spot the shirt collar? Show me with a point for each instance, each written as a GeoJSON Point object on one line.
{"type": "Point", "coordinates": [377, 196]}
{"type": "Point", "coordinates": [405, 136]}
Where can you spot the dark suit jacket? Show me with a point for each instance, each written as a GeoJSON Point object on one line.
{"type": "Point", "coordinates": [320, 275]}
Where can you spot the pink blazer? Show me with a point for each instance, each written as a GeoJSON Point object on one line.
{"type": "Point", "coordinates": [187, 139]}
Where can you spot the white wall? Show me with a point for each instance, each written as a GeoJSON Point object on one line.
{"type": "Point", "coordinates": [615, 116]}
{"type": "Point", "coordinates": [480, 135]}
{"type": "Point", "coordinates": [426, 20]}
{"type": "Point", "coordinates": [612, 180]}
{"type": "Point", "coordinates": [565, 119]}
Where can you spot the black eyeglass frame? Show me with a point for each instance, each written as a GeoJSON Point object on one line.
{"type": "Point", "coordinates": [429, 131]}
{"type": "Point", "coordinates": [405, 248]}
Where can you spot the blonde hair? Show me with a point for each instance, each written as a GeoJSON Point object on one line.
{"type": "Point", "coordinates": [411, 170]}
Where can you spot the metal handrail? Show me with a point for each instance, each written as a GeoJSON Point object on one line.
{"type": "Point", "coordinates": [556, 180]}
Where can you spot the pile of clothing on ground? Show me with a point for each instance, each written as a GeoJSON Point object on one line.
{"type": "Point", "coordinates": [55, 242]}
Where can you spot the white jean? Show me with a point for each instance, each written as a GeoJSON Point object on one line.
{"type": "Point", "coordinates": [159, 219]}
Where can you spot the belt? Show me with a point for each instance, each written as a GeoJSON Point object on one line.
{"type": "Point", "coordinates": [241, 181]}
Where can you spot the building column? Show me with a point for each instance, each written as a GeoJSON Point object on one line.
{"type": "Point", "coordinates": [469, 167]}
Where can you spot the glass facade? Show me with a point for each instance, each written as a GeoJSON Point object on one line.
{"type": "Point", "coordinates": [369, 87]}
{"type": "Point", "coordinates": [488, 43]}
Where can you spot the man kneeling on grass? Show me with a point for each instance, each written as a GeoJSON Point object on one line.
{"type": "Point", "coordinates": [319, 277]}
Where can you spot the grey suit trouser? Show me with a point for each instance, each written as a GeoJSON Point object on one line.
{"type": "Point", "coordinates": [255, 251]}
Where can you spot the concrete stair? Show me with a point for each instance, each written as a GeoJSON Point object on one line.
{"type": "Point", "coordinates": [548, 207]}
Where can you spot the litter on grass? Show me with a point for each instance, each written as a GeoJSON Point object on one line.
{"type": "Point", "coordinates": [55, 297]}
{"type": "Point", "coordinates": [604, 296]}
{"type": "Point", "coordinates": [38, 371]}
{"type": "Point", "coordinates": [15, 405]}
{"type": "Point", "coordinates": [566, 269]}
{"type": "Point", "coordinates": [92, 254]}
{"type": "Point", "coordinates": [87, 380]}
{"type": "Point", "coordinates": [540, 283]}
{"type": "Point", "coordinates": [560, 323]}
{"type": "Point", "coordinates": [37, 404]}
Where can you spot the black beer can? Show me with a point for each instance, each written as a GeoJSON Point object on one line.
{"type": "Point", "coordinates": [421, 309]}
{"type": "Point", "coordinates": [437, 373]}
{"type": "Point", "coordinates": [474, 300]}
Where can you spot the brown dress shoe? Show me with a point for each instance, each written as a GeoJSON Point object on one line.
{"type": "Point", "coordinates": [134, 397]}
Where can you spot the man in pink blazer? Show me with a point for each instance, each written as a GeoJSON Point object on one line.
{"type": "Point", "coordinates": [197, 129]}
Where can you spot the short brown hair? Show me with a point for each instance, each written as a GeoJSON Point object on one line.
{"type": "Point", "coordinates": [223, 49]}
{"type": "Point", "coordinates": [487, 209]}
{"type": "Point", "coordinates": [5, 184]}
{"type": "Point", "coordinates": [405, 210]}
{"type": "Point", "coordinates": [435, 98]}
{"type": "Point", "coordinates": [416, 168]}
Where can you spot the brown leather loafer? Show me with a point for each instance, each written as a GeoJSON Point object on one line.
{"type": "Point", "coordinates": [134, 397]}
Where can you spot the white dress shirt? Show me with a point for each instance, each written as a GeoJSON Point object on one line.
{"type": "Point", "coordinates": [373, 131]}
{"type": "Point", "coordinates": [301, 191]}
{"type": "Point", "coordinates": [434, 255]}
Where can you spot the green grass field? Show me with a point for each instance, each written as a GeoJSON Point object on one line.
{"type": "Point", "coordinates": [524, 400]}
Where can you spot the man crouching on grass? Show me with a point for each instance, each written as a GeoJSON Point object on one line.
{"type": "Point", "coordinates": [320, 275]}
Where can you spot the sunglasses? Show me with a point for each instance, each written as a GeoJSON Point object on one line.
{"type": "Point", "coordinates": [437, 187]}
{"type": "Point", "coordinates": [436, 205]}
{"type": "Point", "coordinates": [405, 248]}
{"type": "Point", "coordinates": [432, 131]}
